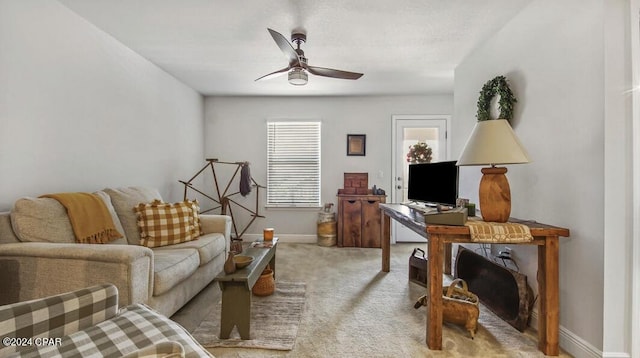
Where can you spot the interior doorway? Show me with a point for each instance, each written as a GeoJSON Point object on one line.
{"type": "Point", "coordinates": [408, 130]}
{"type": "Point", "coordinates": [635, 124]}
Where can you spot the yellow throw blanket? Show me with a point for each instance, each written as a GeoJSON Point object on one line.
{"type": "Point", "coordinates": [491, 232]}
{"type": "Point", "coordinates": [89, 216]}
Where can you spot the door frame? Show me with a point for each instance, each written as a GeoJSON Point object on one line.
{"type": "Point", "coordinates": [634, 295]}
{"type": "Point", "coordinates": [394, 155]}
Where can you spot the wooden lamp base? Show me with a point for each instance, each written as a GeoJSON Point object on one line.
{"type": "Point", "coordinates": [495, 195]}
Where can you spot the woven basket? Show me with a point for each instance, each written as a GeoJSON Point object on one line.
{"type": "Point", "coordinates": [457, 293]}
{"type": "Point", "coordinates": [460, 306]}
{"type": "Point", "coordinates": [265, 285]}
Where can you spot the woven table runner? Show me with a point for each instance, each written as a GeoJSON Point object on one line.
{"type": "Point", "coordinates": [498, 232]}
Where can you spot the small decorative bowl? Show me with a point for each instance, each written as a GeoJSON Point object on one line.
{"type": "Point", "coordinates": [242, 261]}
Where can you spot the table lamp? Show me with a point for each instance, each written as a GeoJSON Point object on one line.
{"type": "Point", "coordinates": [493, 142]}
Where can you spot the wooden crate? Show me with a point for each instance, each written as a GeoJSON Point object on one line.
{"type": "Point", "coordinates": [356, 183]}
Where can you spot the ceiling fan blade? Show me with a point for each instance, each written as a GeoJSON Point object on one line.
{"type": "Point", "coordinates": [273, 74]}
{"type": "Point", "coordinates": [329, 72]}
{"type": "Point", "coordinates": [286, 47]}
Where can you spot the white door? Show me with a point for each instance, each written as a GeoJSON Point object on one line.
{"type": "Point", "coordinates": [408, 130]}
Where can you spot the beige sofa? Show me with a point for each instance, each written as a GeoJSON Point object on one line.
{"type": "Point", "coordinates": [39, 256]}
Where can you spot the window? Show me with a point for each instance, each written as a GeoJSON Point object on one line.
{"type": "Point", "coordinates": [293, 164]}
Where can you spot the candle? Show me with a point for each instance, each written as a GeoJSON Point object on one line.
{"type": "Point", "coordinates": [471, 209]}
{"type": "Point", "coordinates": [268, 234]}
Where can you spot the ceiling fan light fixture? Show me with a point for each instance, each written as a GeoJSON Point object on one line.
{"type": "Point", "coordinates": [298, 69]}
{"type": "Point", "coordinates": [298, 77]}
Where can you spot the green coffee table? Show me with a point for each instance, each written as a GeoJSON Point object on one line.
{"type": "Point", "coordinates": [236, 290]}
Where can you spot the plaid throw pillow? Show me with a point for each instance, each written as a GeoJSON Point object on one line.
{"type": "Point", "coordinates": [163, 224]}
{"type": "Point", "coordinates": [195, 207]}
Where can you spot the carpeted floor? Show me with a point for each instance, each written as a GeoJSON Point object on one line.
{"type": "Point", "coordinates": [354, 310]}
{"type": "Point", "coordinates": [274, 321]}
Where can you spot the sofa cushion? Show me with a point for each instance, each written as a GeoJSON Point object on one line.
{"type": "Point", "coordinates": [208, 246]}
{"type": "Point", "coordinates": [163, 224]}
{"type": "Point", "coordinates": [41, 220]}
{"type": "Point", "coordinates": [170, 267]}
{"type": "Point", "coordinates": [46, 220]}
{"type": "Point", "coordinates": [124, 200]}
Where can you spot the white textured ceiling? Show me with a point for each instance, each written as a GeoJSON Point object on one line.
{"type": "Point", "coordinates": [219, 47]}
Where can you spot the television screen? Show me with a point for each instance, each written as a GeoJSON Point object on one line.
{"type": "Point", "coordinates": [433, 183]}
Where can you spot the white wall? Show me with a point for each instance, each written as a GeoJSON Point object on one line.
{"type": "Point", "coordinates": [553, 54]}
{"type": "Point", "coordinates": [634, 315]}
{"type": "Point", "coordinates": [79, 111]}
{"type": "Point", "coordinates": [618, 191]}
{"type": "Point", "coordinates": [235, 130]}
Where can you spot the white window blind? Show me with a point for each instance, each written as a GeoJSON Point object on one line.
{"type": "Point", "coordinates": [293, 164]}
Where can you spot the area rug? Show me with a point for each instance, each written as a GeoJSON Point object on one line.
{"type": "Point", "coordinates": [274, 321]}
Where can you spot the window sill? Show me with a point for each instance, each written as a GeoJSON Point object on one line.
{"type": "Point", "coordinates": [282, 208]}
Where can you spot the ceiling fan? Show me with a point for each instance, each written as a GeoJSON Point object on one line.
{"type": "Point", "coordinates": [298, 67]}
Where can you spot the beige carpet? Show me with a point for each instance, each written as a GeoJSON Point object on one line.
{"type": "Point", "coordinates": [354, 310]}
{"type": "Point", "coordinates": [274, 321]}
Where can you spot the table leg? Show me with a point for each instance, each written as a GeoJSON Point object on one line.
{"type": "Point", "coordinates": [434, 303]}
{"type": "Point", "coordinates": [385, 237]}
{"type": "Point", "coordinates": [236, 309]}
{"type": "Point", "coordinates": [272, 263]}
{"type": "Point", "coordinates": [447, 258]}
{"type": "Point", "coordinates": [548, 288]}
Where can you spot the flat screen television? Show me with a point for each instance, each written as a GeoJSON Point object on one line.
{"type": "Point", "coordinates": [433, 183]}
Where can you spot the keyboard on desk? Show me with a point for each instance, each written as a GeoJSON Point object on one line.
{"type": "Point", "coordinates": [421, 208]}
{"type": "Point", "coordinates": [455, 216]}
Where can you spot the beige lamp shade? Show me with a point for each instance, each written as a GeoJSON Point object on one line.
{"type": "Point", "coordinates": [493, 142]}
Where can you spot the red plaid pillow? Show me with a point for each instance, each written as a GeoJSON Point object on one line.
{"type": "Point", "coordinates": [162, 224]}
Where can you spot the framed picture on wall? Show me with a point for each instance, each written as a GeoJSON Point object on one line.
{"type": "Point", "coordinates": [356, 144]}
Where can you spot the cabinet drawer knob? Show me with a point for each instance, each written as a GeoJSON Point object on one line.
{"type": "Point", "coordinates": [372, 201]}
{"type": "Point", "coordinates": [351, 201]}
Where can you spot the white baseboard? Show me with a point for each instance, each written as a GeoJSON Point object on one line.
{"type": "Point", "coordinates": [615, 355]}
{"type": "Point", "coordinates": [574, 345]}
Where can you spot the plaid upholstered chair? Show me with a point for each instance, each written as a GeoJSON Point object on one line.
{"type": "Point", "coordinates": [87, 323]}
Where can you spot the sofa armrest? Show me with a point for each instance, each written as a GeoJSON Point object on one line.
{"type": "Point", "coordinates": [167, 349]}
{"type": "Point", "coordinates": [36, 269]}
{"type": "Point", "coordinates": [56, 316]}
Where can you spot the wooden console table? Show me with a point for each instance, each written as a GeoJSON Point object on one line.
{"type": "Point", "coordinates": [440, 238]}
